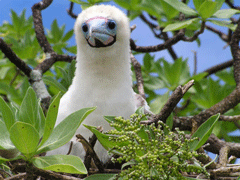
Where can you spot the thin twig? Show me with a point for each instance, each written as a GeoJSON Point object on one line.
{"type": "Point", "coordinates": [230, 118]}
{"type": "Point", "coordinates": [70, 11]}
{"type": "Point", "coordinates": [195, 62]}
{"type": "Point", "coordinates": [138, 73]}
{"type": "Point", "coordinates": [218, 67]}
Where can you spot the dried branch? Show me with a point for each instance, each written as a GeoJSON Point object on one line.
{"type": "Point", "coordinates": [149, 23]}
{"type": "Point", "coordinates": [38, 25]}
{"type": "Point", "coordinates": [230, 4]}
{"type": "Point", "coordinates": [216, 145]}
{"type": "Point", "coordinates": [17, 176]}
{"type": "Point", "coordinates": [70, 11]}
{"type": "Point", "coordinates": [171, 41]}
{"type": "Point", "coordinates": [7, 51]}
{"type": "Point", "coordinates": [158, 47]}
{"type": "Point", "coordinates": [234, 44]}
{"type": "Point", "coordinates": [195, 62]}
{"type": "Point", "coordinates": [89, 150]}
{"type": "Point", "coordinates": [205, 159]}
{"type": "Point", "coordinates": [170, 104]}
{"type": "Point", "coordinates": [218, 67]}
{"type": "Point", "coordinates": [230, 118]}
{"type": "Point", "coordinates": [170, 49]}
{"type": "Point", "coordinates": [47, 63]}
{"type": "Point", "coordinates": [223, 156]}
{"type": "Point", "coordinates": [138, 73]}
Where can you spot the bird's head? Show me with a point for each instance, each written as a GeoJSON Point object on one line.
{"type": "Point", "coordinates": [101, 26]}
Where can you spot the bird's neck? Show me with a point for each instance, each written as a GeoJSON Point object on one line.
{"type": "Point", "coordinates": [110, 67]}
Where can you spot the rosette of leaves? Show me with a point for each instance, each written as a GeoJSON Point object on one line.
{"type": "Point", "coordinates": [151, 152]}
{"type": "Point", "coordinates": [26, 132]}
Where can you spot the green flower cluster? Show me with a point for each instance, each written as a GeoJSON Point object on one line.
{"type": "Point", "coordinates": [152, 152]}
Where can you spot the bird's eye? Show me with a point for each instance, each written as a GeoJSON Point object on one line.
{"type": "Point", "coordinates": [111, 24]}
{"type": "Point", "coordinates": [84, 27]}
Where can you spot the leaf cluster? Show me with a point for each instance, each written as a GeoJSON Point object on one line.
{"type": "Point", "coordinates": [25, 132]}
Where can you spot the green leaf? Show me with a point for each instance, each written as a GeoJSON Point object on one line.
{"type": "Point", "coordinates": [29, 111]}
{"type": "Point", "coordinates": [25, 137]}
{"type": "Point", "coordinates": [224, 24]}
{"type": "Point", "coordinates": [51, 118]}
{"type": "Point", "coordinates": [180, 25]}
{"type": "Point", "coordinates": [51, 81]}
{"type": "Point", "coordinates": [181, 7]}
{"type": "Point", "coordinates": [203, 132]}
{"type": "Point", "coordinates": [147, 61]}
{"type": "Point", "coordinates": [65, 130]}
{"type": "Point", "coordinates": [64, 75]}
{"type": "Point", "coordinates": [198, 3]}
{"type": "Point", "coordinates": [158, 103]}
{"type": "Point", "coordinates": [209, 7]}
{"type": "Point", "coordinates": [5, 142]}
{"type": "Point", "coordinates": [7, 114]}
{"type": "Point", "coordinates": [199, 76]}
{"type": "Point", "coordinates": [61, 163]}
{"type": "Point", "coordinates": [67, 36]}
{"type": "Point", "coordinates": [102, 138]}
{"type": "Point", "coordinates": [225, 13]}
{"type": "Point", "coordinates": [101, 177]}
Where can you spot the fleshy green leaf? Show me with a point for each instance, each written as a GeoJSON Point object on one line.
{"type": "Point", "coordinates": [25, 137]}
{"type": "Point", "coordinates": [224, 24]}
{"type": "Point", "coordinates": [203, 132]}
{"type": "Point", "coordinates": [180, 25]}
{"type": "Point", "coordinates": [7, 114]}
{"type": "Point", "coordinates": [51, 118]}
{"type": "Point", "coordinates": [198, 3]}
{"type": "Point", "coordinates": [65, 130]}
{"type": "Point", "coordinates": [225, 13]}
{"type": "Point", "coordinates": [101, 177]}
{"type": "Point", "coordinates": [209, 7]}
{"type": "Point", "coordinates": [29, 109]}
{"type": "Point", "coordinates": [181, 7]}
{"type": "Point", "coordinates": [61, 163]}
{"type": "Point", "coordinates": [5, 142]}
{"type": "Point", "coordinates": [102, 138]}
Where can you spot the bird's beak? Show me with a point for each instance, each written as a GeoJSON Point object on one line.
{"type": "Point", "coordinates": [99, 34]}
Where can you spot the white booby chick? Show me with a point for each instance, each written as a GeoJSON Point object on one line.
{"type": "Point", "coordinates": [103, 74]}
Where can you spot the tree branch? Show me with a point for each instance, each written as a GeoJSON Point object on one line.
{"type": "Point", "coordinates": [170, 104]}
{"type": "Point", "coordinates": [70, 11]}
{"type": "Point", "coordinates": [216, 145]}
{"type": "Point", "coordinates": [47, 63]}
{"type": "Point", "coordinates": [218, 67]}
{"type": "Point", "coordinates": [7, 51]}
{"type": "Point", "coordinates": [38, 25]}
{"type": "Point", "coordinates": [89, 150]}
{"type": "Point", "coordinates": [138, 73]}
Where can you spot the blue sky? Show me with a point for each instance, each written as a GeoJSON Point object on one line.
{"type": "Point", "coordinates": [210, 53]}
